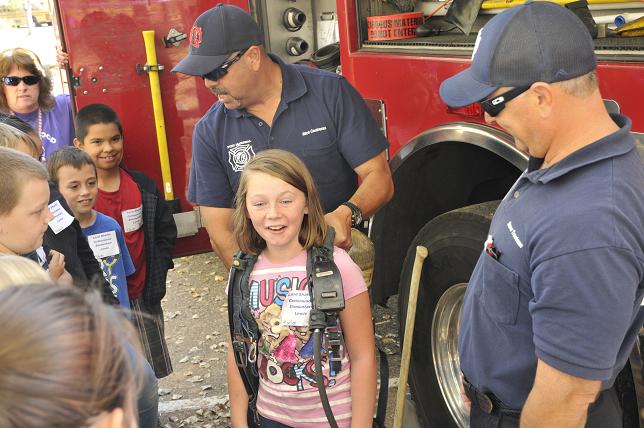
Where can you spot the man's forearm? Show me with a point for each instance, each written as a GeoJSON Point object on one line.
{"type": "Point", "coordinates": [557, 399]}
{"type": "Point", "coordinates": [372, 194]}
{"type": "Point", "coordinates": [541, 410]}
{"type": "Point", "coordinates": [225, 249]}
{"type": "Point", "coordinates": [218, 223]}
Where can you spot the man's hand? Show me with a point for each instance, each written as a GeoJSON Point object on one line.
{"type": "Point", "coordinates": [466, 400]}
{"type": "Point", "coordinates": [340, 220]}
{"type": "Point", "coordinates": [558, 399]}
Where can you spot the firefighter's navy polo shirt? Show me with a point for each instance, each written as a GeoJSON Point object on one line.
{"type": "Point", "coordinates": [321, 118]}
{"type": "Point", "coordinates": [568, 282]}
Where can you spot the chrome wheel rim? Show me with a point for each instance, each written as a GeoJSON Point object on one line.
{"type": "Point", "coordinates": [445, 329]}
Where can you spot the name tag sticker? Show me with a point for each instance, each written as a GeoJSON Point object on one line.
{"type": "Point", "coordinates": [132, 219]}
{"type": "Point", "coordinates": [104, 244]}
{"type": "Point", "coordinates": [296, 308]}
{"type": "Point", "coordinates": [62, 219]}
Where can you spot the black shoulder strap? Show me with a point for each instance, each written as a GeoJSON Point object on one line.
{"type": "Point", "coordinates": [325, 281]}
{"type": "Point", "coordinates": [244, 331]}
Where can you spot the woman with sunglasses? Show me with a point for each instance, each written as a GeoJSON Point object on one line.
{"type": "Point", "coordinates": [26, 92]}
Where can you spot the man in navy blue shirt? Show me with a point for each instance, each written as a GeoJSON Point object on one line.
{"type": "Point", "coordinates": [265, 103]}
{"type": "Point", "coordinates": [554, 305]}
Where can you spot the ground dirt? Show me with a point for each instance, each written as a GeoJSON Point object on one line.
{"type": "Point", "coordinates": [196, 322]}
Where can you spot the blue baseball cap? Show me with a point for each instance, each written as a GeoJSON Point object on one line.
{"type": "Point", "coordinates": [534, 42]}
{"type": "Point", "coordinates": [216, 34]}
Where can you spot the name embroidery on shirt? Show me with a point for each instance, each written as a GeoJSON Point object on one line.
{"type": "Point", "coordinates": [239, 154]}
{"type": "Point", "coordinates": [513, 232]}
{"type": "Point", "coordinates": [313, 130]}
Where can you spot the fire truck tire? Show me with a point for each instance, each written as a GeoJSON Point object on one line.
{"type": "Point", "coordinates": [454, 241]}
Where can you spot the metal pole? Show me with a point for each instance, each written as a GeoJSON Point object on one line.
{"type": "Point", "coordinates": [68, 69]}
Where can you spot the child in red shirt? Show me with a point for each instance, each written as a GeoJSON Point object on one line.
{"type": "Point", "coordinates": [135, 202]}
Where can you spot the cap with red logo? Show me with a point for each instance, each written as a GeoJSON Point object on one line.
{"type": "Point", "coordinates": [216, 34]}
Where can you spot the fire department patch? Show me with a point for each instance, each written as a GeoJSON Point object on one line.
{"type": "Point", "coordinates": [239, 154]}
{"type": "Point", "coordinates": [195, 36]}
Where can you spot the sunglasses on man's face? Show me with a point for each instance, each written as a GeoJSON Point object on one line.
{"type": "Point", "coordinates": [15, 80]}
{"type": "Point", "coordinates": [495, 105]}
{"type": "Point", "coordinates": [222, 70]}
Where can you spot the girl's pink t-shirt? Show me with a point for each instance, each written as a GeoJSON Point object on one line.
{"type": "Point", "coordinates": [280, 303]}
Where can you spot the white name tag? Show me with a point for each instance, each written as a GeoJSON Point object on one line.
{"type": "Point", "coordinates": [132, 219]}
{"type": "Point", "coordinates": [296, 308]}
{"type": "Point", "coordinates": [104, 244]}
{"type": "Point", "coordinates": [62, 219]}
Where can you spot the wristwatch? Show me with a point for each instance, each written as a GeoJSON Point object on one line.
{"type": "Point", "coordinates": [356, 214]}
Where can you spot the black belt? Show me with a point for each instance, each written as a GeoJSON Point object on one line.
{"type": "Point", "coordinates": [486, 401]}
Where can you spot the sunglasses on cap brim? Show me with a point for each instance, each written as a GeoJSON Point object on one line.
{"type": "Point", "coordinates": [15, 80]}
{"type": "Point", "coordinates": [495, 105]}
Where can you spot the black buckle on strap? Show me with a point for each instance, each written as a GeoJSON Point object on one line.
{"type": "Point", "coordinates": [240, 353]}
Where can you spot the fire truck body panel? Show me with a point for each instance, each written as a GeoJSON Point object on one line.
{"type": "Point", "coordinates": [105, 46]}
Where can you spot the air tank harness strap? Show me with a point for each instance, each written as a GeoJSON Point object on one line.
{"type": "Point", "coordinates": [243, 329]}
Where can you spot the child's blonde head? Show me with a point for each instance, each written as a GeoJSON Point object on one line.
{"type": "Point", "coordinates": [16, 169]}
{"type": "Point", "coordinates": [16, 139]}
{"type": "Point", "coordinates": [17, 270]}
{"type": "Point", "coordinates": [290, 169]}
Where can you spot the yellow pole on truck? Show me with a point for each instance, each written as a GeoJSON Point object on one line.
{"type": "Point", "coordinates": [159, 120]}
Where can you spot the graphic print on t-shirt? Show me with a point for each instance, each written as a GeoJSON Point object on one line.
{"type": "Point", "coordinates": [106, 250]}
{"type": "Point", "coordinates": [286, 342]}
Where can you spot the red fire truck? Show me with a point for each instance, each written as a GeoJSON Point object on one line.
{"type": "Point", "coordinates": [449, 167]}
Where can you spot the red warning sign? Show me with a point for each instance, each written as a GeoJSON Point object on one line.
{"type": "Point", "coordinates": [392, 27]}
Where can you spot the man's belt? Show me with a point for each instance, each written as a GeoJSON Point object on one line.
{"type": "Point", "coordinates": [486, 401]}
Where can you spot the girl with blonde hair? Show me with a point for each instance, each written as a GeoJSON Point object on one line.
{"type": "Point", "coordinates": [278, 217]}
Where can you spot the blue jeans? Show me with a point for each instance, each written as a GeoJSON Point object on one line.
{"type": "Point", "coordinates": [267, 423]}
{"type": "Point", "coordinates": [148, 401]}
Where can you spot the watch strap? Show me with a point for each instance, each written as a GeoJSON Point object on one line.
{"type": "Point", "coordinates": [356, 213]}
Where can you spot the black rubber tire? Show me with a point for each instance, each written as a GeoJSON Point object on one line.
{"type": "Point", "coordinates": [454, 241]}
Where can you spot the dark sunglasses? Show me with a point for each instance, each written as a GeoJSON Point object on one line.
{"type": "Point", "coordinates": [15, 80]}
{"type": "Point", "coordinates": [495, 105]}
{"type": "Point", "coordinates": [222, 70]}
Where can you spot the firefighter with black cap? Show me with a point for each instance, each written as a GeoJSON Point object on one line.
{"type": "Point", "coordinates": [553, 307]}
{"type": "Point", "coordinates": [266, 103]}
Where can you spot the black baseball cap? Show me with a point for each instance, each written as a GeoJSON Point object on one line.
{"type": "Point", "coordinates": [534, 42]}
{"type": "Point", "coordinates": [216, 34]}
